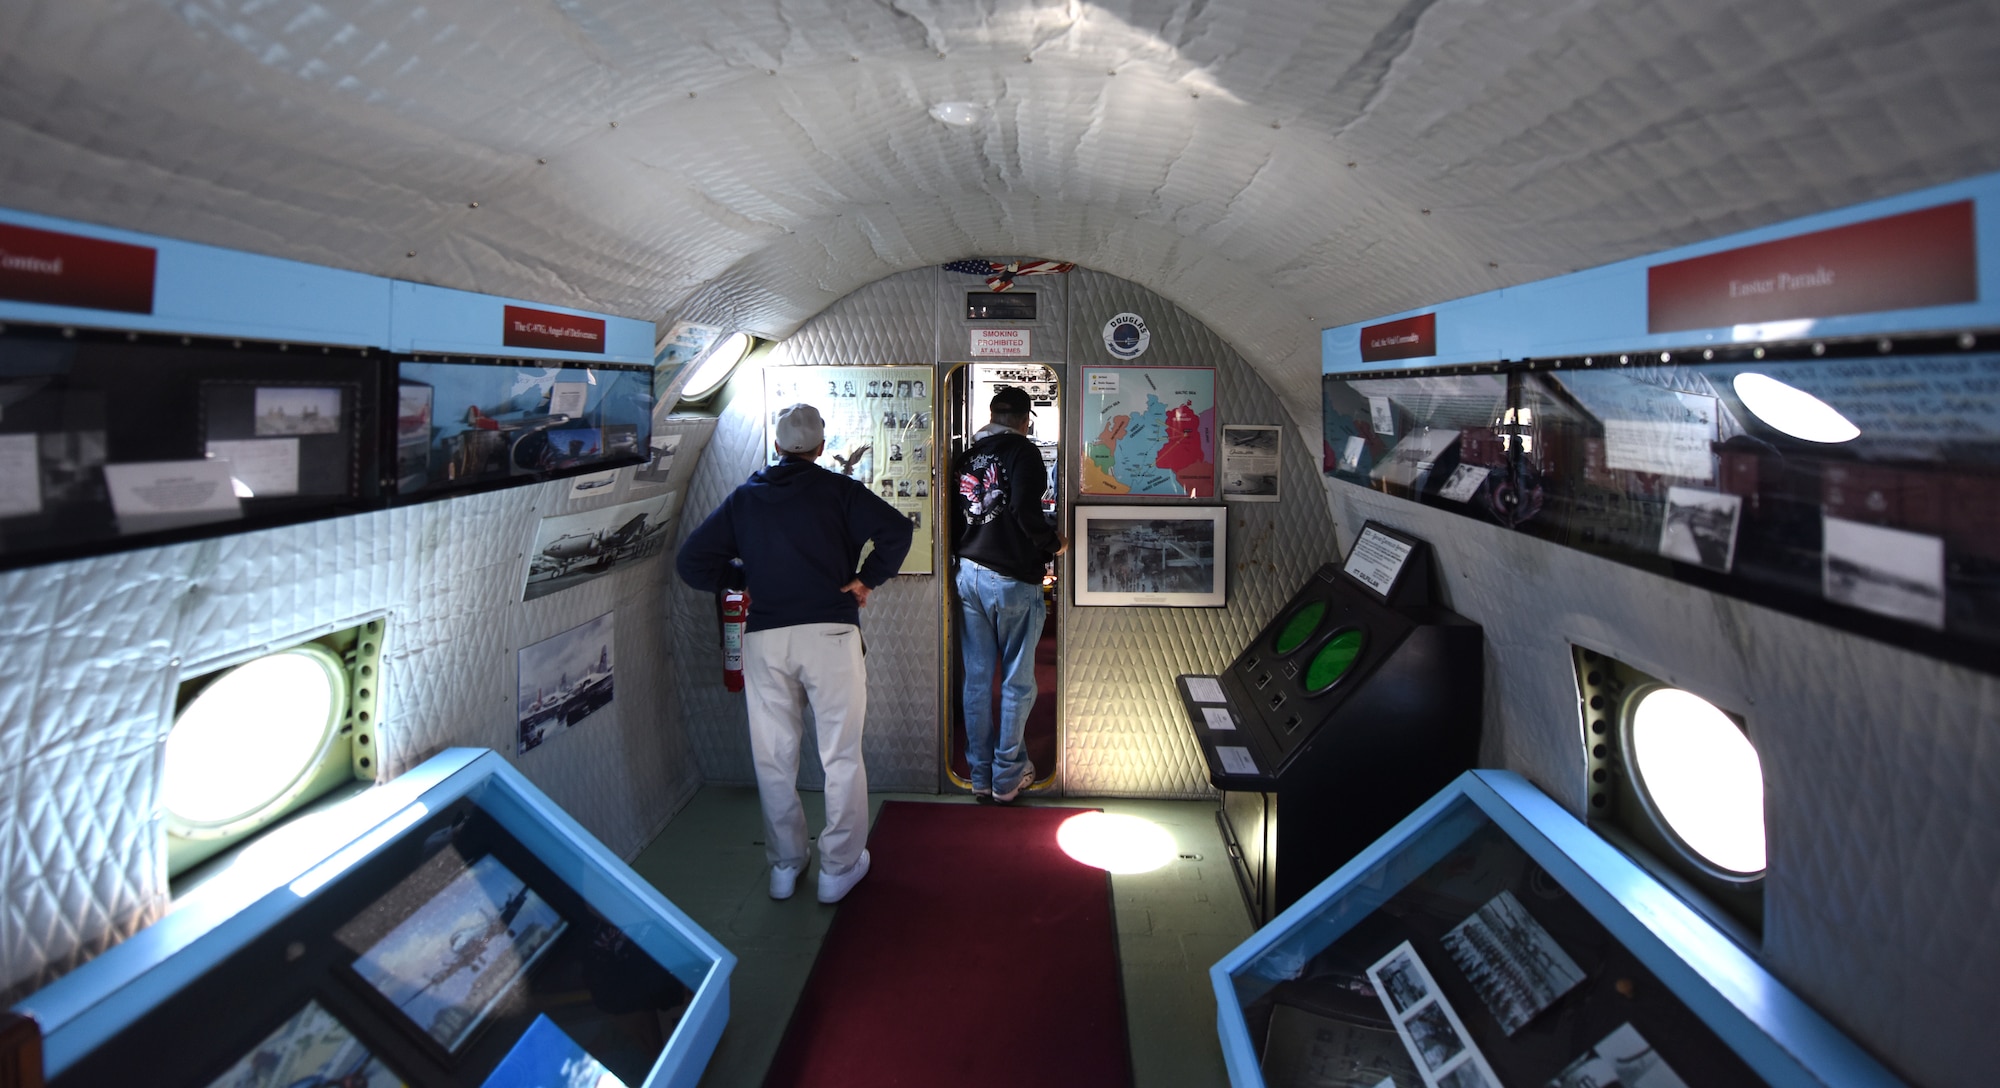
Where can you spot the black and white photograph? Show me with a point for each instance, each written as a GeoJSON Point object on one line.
{"type": "Point", "coordinates": [72, 466]}
{"type": "Point", "coordinates": [1886, 571]}
{"type": "Point", "coordinates": [451, 962]}
{"type": "Point", "coordinates": [1701, 527]}
{"type": "Point", "coordinates": [285, 410]}
{"type": "Point", "coordinates": [1305, 1048]}
{"type": "Point", "coordinates": [661, 467]}
{"type": "Point", "coordinates": [571, 549]}
{"type": "Point", "coordinates": [1623, 1059]}
{"type": "Point", "coordinates": [1432, 1035]}
{"type": "Point", "coordinates": [1517, 968]}
{"type": "Point", "coordinates": [1250, 463]}
{"type": "Point", "coordinates": [563, 681]}
{"type": "Point", "coordinates": [1152, 555]}
{"type": "Point", "coordinates": [1403, 983]}
{"type": "Point", "coordinates": [311, 1048]}
{"type": "Point", "coordinates": [1467, 1075]}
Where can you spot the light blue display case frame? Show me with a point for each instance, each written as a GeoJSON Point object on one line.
{"type": "Point", "coordinates": [90, 1005]}
{"type": "Point", "coordinates": [1776, 1034]}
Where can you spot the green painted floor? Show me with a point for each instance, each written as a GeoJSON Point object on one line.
{"type": "Point", "coordinates": [1172, 924]}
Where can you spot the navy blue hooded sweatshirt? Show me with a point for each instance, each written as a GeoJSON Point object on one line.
{"type": "Point", "coordinates": [799, 530]}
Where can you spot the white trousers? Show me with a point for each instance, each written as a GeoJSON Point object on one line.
{"type": "Point", "coordinates": [784, 670]}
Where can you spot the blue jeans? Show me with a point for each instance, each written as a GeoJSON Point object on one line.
{"type": "Point", "coordinates": [1000, 621]}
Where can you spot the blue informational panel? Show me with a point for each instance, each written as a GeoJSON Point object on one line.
{"type": "Point", "coordinates": [1491, 939]}
{"type": "Point", "coordinates": [1606, 309]}
{"type": "Point", "coordinates": [452, 926]}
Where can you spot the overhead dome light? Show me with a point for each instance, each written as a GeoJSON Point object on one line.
{"type": "Point", "coordinates": [1115, 843]}
{"type": "Point", "coordinates": [1703, 777]}
{"type": "Point", "coordinates": [959, 114]}
{"type": "Point", "coordinates": [1793, 410]}
{"type": "Point", "coordinates": [715, 367]}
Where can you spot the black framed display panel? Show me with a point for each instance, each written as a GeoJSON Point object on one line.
{"type": "Point", "coordinates": [1661, 460]}
{"type": "Point", "coordinates": [299, 425]}
{"type": "Point", "coordinates": [495, 423]}
{"type": "Point", "coordinates": [589, 980]}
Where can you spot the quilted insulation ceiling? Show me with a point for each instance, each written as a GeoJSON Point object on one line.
{"type": "Point", "coordinates": [1274, 167]}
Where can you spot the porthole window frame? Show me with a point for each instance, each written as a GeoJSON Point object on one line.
{"type": "Point", "coordinates": [1628, 713]}
{"type": "Point", "coordinates": [344, 761]}
{"type": "Point", "coordinates": [1617, 808]}
{"type": "Point", "coordinates": [691, 395]}
{"type": "Point", "coordinates": [339, 714]}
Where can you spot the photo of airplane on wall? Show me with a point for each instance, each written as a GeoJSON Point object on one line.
{"type": "Point", "coordinates": [563, 680]}
{"type": "Point", "coordinates": [572, 549]}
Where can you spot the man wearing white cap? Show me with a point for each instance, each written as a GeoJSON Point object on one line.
{"type": "Point", "coordinates": [798, 531]}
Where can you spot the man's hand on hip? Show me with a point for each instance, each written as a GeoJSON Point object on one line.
{"type": "Point", "coordinates": [860, 592]}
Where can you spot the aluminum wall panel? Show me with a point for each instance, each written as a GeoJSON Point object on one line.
{"type": "Point", "coordinates": [95, 648]}
{"type": "Point", "coordinates": [1879, 902]}
{"type": "Point", "coordinates": [890, 322]}
{"type": "Point", "coordinates": [1125, 731]}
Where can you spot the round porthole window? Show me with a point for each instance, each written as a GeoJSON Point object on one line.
{"type": "Point", "coordinates": [1700, 776]}
{"type": "Point", "coordinates": [1300, 627]}
{"type": "Point", "coordinates": [252, 740]}
{"type": "Point", "coordinates": [1332, 661]}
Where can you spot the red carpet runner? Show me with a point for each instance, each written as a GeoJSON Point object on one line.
{"type": "Point", "coordinates": [974, 953]}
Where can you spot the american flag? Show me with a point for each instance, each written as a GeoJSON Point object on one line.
{"type": "Point", "coordinates": [1000, 277]}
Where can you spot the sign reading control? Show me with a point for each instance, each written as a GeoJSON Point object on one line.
{"type": "Point", "coordinates": [71, 270]}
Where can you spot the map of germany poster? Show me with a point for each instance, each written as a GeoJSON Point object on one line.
{"type": "Point", "coordinates": [1149, 431]}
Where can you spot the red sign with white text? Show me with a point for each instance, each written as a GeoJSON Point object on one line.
{"type": "Point", "coordinates": [71, 270]}
{"type": "Point", "coordinates": [1921, 258]}
{"type": "Point", "coordinates": [544, 329]}
{"type": "Point", "coordinates": [1410, 338]}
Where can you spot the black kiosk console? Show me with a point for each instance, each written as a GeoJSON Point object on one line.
{"type": "Point", "coordinates": [1354, 705]}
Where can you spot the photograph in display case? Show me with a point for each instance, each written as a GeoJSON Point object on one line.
{"type": "Point", "coordinates": [491, 422]}
{"type": "Point", "coordinates": [1700, 527]}
{"type": "Point", "coordinates": [546, 1057]}
{"type": "Point", "coordinates": [1890, 572]}
{"type": "Point", "coordinates": [311, 1048]}
{"type": "Point", "coordinates": [1518, 969]}
{"type": "Point", "coordinates": [454, 958]}
{"type": "Point", "coordinates": [288, 410]}
{"type": "Point", "coordinates": [1622, 1059]}
{"type": "Point", "coordinates": [1171, 556]}
{"type": "Point", "coordinates": [1325, 1048]}
{"type": "Point", "coordinates": [1444, 1053]}
{"type": "Point", "coordinates": [564, 679]}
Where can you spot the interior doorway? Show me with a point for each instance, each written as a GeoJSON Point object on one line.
{"type": "Point", "coordinates": [969, 388]}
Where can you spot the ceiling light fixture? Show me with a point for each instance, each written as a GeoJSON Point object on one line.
{"type": "Point", "coordinates": [959, 114]}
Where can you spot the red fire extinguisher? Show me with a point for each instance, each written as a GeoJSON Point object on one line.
{"type": "Point", "coordinates": [735, 612]}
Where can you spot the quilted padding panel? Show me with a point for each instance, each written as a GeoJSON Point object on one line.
{"type": "Point", "coordinates": [96, 647]}
{"type": "Point", "coordinates": [1880, 767]}
{"type": "Point", "coordinates": [1126, 733]}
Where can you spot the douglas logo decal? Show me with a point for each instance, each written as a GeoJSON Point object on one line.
{"type": "Point", "coordinates": [1126, 336]}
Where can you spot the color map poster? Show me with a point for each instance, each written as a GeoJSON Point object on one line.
{"type": "Point", "coordinates": [1149, 431]}
{"type": "Point", "coordinates": [878, 431]}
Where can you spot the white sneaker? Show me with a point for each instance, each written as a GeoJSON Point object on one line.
{"type": "Point", "coordinates": [785, 878]}
{"type": "Point", "coordinates": [833, 888]}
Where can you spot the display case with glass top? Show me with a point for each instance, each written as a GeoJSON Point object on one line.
{"type": "Point", "coordinates": [451, 927]}
{"type": "Point", "coordinates": [1491, 939]}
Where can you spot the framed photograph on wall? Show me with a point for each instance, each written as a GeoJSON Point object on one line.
{"type": "Point", "coordinates": [1160, 556]}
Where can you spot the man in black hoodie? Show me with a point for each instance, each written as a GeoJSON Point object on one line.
{"type": "Point", "coordinates": [799, 530]}
{"type": "Point", "coordinates": [1001, 544]}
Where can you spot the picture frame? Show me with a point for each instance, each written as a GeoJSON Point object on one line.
{"type": "Point", "coordinates": [1151, 556]}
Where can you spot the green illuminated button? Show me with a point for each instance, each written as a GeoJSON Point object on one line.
{"type": "Point", "coordinates": [1300, 627]}
{"type": "Point", "coordinates": [1332, 661]}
